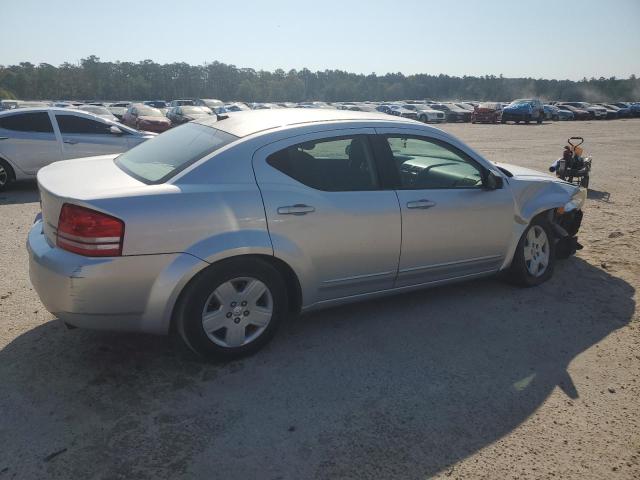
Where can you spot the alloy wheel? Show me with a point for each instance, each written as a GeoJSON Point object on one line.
{"type": "Point", "coordinates": [536, 251]}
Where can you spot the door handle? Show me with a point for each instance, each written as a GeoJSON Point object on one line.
{"type": "Point", "coordinates": [70, 142]}
{"type": "Point", "coordinates": [298, 209]}
{"type": "Point", "coordinates": [423, 204]}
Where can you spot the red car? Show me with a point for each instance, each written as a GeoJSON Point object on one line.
{"type": "Point", "coordinates": [487, 112]}
{"type": "Point", "coordinates": [144, 117]}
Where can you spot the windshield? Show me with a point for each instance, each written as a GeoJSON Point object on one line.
{"type": "Point", "coordinates": [519, 104]}
{"type": "Point", "coordinates": [160, 158]}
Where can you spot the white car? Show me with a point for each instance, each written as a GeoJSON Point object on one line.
{"type": "Point", "coordinates": [32, 138]}
{"type": "Point", "coordinates": [426, 114]}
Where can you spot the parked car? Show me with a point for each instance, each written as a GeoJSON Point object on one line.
{"type": "Point", "coordinates": [179, 103]}
{"type": "Point", "coordinates": [118, 109]}
{"type": "Point", "coordinates": [208, 102]}
{"type": "Point", "coordinates": [187, 113]}
{"type": "Point", "coordinates": [578, 113]}
{"type": "Point", "coordinates": [623, 109]}
{"type": "Point", "coordinates": [487, 112]}
{"type": "Point", "coordinates": [635, 109]}
{"type": "Point", "coordinates": [401, 111]}
{"type": "Point", "coordinates": [64, 105]}
{"type": "Point", "coordinates": [453, 113]}
{"type": "Point", "coordinates": [612, 111]}
{"type": "Point", "coordinates": [465, 106]}
{"type": "Point", "coordinates": [425, 113]}
{"type": "Point", "coordinates": [564, 114]}
{"type": "Point", "coordinates": [236, 107]}
{"type": "Point", "coordinates": [101, 112]}
{"type": "Point", "coordinates": [144, 117]}
{"type": "Point", "coordinates": [219, 230]}
{"type": "Point", "coordinates": [595, 112]}
{"type": "Point", "coordinates": [551, 112]}
{"type": "Point", "coordinates": [524, 110]}
{"type": "Point", "coordinates": [35, 137]}
{"type": "Point", "coordinates": [8, 104]}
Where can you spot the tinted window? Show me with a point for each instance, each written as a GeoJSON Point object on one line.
{"type": "Point", "coordinates": [338, 164]}
{"type": "Point", "coordinates": [73, 124]}
{"type": "Point", "coordinates": [27, 122]}
{"type": "Point", "coordinates": [160, 158]}
{"type": "Point", "coordinates": [429, 164]}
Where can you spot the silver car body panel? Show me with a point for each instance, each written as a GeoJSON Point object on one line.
{"type": "Point", "coordinates": [354, 245]}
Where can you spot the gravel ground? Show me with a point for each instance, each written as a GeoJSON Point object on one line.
{"type": "Point", "coordinates": [477, 380]}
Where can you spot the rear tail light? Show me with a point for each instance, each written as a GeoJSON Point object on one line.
{"type": "Point", "coordinates": [89, 233]}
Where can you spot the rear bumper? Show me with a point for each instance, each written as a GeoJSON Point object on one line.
{"type": "Point", "coordinates": [130, 293]}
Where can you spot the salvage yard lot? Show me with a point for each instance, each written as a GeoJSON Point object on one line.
{"type": "Point", "coordinates": [467, 381]}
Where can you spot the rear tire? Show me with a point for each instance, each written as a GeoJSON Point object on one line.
{"type": "Point", "coordinates": [535, 256]}
{"type": "Point", "coordinates": [6, 174]}
{"type": "Point", "coordinates": [220, 317]}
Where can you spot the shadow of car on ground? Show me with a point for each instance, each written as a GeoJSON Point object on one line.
{"type": "Point", "coordinates": [399, 387]}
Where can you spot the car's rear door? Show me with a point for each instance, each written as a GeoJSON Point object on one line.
{"type": "Point", "coordinates": [452, 227]}
{"type": "Point", "coordinates": [83, 136]}
{"type": "Point", "coordinates": [28, 141]}
{"type": "Point", "coordinates": [327, 215]}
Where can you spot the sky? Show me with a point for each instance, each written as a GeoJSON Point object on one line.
{"type": "Point", "coordinates": [562, 39]}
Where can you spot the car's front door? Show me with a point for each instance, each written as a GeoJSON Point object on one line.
{"type": "Point", "coordinates": [327, 216]}
{"type": "Point", "coordinates": [452, 227]}
{"type": "Point", "coordinates": [86, 137]}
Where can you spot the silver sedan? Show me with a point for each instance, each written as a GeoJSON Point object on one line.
{"type": "Point", "coordinates": [219, 230]}
{"type": "Point", "coordinates": [31, 138]}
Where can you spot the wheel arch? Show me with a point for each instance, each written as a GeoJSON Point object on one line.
{"type": "Point", "coordinates": [292, 283]}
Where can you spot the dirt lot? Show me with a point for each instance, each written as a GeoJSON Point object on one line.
{"type": "Point", "coordinates": [478, 380]}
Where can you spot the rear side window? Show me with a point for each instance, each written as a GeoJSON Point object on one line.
{"type": "Point", "coordinates": [162, 157]}
{"type": "Point", "coordinates": [333, 165]}
{"type": "Point", "coordinates": [27, 122]}
{"type": "Point", "coordinates": [74, 124]}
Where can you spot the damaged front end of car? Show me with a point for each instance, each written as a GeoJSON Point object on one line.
{"type": "Point", "coordinates": [566, 221]}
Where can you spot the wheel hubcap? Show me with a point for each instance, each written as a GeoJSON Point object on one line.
{"type": "Point", "coordinates": [237, 312]}
{"type": "Point", "coordinates": [4, 176]}
{"type": "Point", "coordinates": [536, 251]}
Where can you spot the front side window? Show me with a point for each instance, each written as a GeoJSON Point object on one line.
{"type": "Point", "coordinates": [27, 122]}
{"type": "Point", "coordinates": [162, 157]}
{"type": "Point", "coordinates": [333, 165]}
{"type": "Point", "coordinates": [430, 164]}
{"type": "Point", "coordinates": [72, 124]}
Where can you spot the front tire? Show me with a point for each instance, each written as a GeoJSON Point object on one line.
{"type": "Point", "coordinates": [6, 174]}
{"type": "Point", "coordinates": [232, 309]}
{"type": "Point", "coordinates": [534, 259]}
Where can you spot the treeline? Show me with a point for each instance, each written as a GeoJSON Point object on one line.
{"type": "Point", "coordinates": [93, 79]}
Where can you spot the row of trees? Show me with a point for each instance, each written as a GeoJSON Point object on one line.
{"type": "Point", "coordinates": [145, 80]}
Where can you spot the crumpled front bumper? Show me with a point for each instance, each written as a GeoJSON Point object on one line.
{"type": "Point", "coordinates": [567, 225]}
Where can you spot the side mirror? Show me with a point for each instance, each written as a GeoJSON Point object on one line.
{"type": "Point", "coordinates": [492, 181]}
{"type": "Point", "coordinates": [115, 130]}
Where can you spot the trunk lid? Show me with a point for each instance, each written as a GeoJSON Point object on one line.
{"type": "Point", "coordinates": [79, 181]}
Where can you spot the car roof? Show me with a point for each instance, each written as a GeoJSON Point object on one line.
{"type": "Point", "coordinates": [242, 124]}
